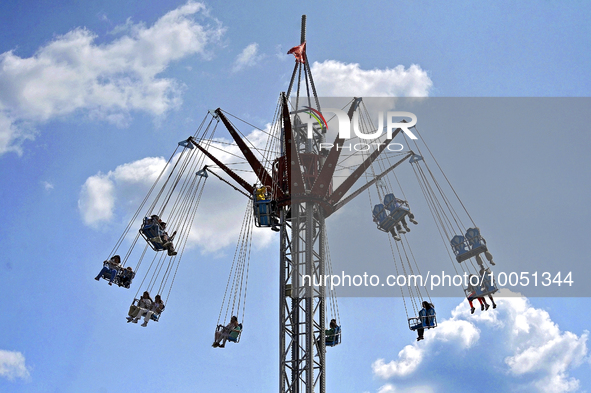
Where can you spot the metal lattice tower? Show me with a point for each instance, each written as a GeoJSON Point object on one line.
{"type": "Point", "coordinates": [301, 184]}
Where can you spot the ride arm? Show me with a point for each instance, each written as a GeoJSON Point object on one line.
{"type": "Point", "coordinates": [348, 183]}
{"type": "Point", "coordinates": [249, 189]}
{"type": "Point", "coordinates": [227, 182]}
{"type": "Point", "coordinates": [255, 164]}
{"type": "Point", "coordinates": [369, 184]}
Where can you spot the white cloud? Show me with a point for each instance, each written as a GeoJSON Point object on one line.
{"type": "Point", "coordinates": [409, 359]}
{"type": "Point", "coordinates": [47, 185]}
{"type": "Point", "coordinates": [107, 81]}
{"type": "Point", "coordinates": [115, 196]}
{"type": "Point", "coordinates": [12, 365]}
{"type": "Point", "coordinates": [521, 347]}
{"type": "Point", "coordinates": [97, 201]}
{"type": "Point", "coordinates": [336, 79]}
{"type": "Point", "coordinates": [248, 57]}
{"type": "Point", "coordinates": [388, 388]}
{"type": "Point", "coordinates": [98, 195]}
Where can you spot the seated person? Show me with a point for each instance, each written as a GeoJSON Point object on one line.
{"type": "Point", "coordinates": [481, 300]}
{"type": "Point", "coordinates": [486, 275]}
{"type": "Point", "coordinates": [393, 231]}
{"type": "Point", "coordinates": [154, 221]}
{"type": "Point", "coordinates": [425, 319]}
{"type": "Point", "coordinates": [330, 334]}
{"type": "Point", "coordinates": [143, 306]}
{"type": "Point", "coordinates": [394, 204]}
{"type": "Point", "coordinates": [262, 193]}
{"type": "Point", "coordinates": [111, 266]}
{"type": "Point", "coordinates": [221, 336]}
{"type": "Point", "coordinates": [156, 308]}
{"type": "Point", "coordinates": [125, 277]}
{"type": "Point", "coordinates": [167, 245]}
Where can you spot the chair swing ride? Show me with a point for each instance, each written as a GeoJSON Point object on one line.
{"type": "Point", "coordinates": [293, 193]}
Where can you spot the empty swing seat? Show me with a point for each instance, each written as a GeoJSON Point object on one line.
{"type": "Point", "coordinates": [152, 233]}
{"type": "Point", "coordinates": [331, 340]}
{"type": "Point", "coordinates": [458, 245]}
{"type": "Point", "coordinates": [470, 245]}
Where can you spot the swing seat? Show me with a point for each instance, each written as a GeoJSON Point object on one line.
{"type": "Point", "coordinates": [488, 288]}
{"type": "Point", "coordinates": [458, 245]}
{"type": "Point", "coordinates": [235, 335]}
{"type": "Point", "coordinates": [384, 221]}
{"type": "Point", "coordinates": [156, 315]}
{"type": "Point", "coordinates": [485, 289]}
{"type": "Point", "coordinates": [263, 213]}
{"type": "Point", "coordinates": [428, 321]}
{"type": "Point", "coordinates": [397, 208]}
{"type": "Point", "coordinates": [152, 233]}
{"type": "Point", "coordinates": [107, 275]}
{"type": "Point", "coordinates": [134, 310]}
{"type": "Point", "coordinates": [394, 205]}
{"type": "Point", "coordinates": [331, 340]}
{"type": "Point", "coordinates": [469, 246]}
{"type": "Point", "coordinates": [124, 278]}
{"type": "Point", "coordinates": [477, 292]}
{"type": "Point", "coordinates": [476, 241]}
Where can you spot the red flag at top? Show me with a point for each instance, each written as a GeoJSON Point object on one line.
{"type": "Point", "coordinates": [299, 52]}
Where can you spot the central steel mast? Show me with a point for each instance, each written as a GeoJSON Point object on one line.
{"type": "Point", "coordinates": [302, 308]}
{"type": "Point", "coordinates": [303, 197]}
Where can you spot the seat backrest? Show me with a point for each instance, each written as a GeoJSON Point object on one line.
{"type": "Point", "coordinates": [430, 320]}
{"type": "Point", "coordinates": [423, 317]}
{"type": "Point", "coordinates": [379, 213]}
{"type": "Point", "coordinates": [458, 244]}
{"type": "Point", "coordinates": [473, 237]}
{"type": "Point", "coordinates": [337, 334]}
{"type": "Point", "coordinates": [234, 334]}
{"type": "Point", "coordinates": [390, 202]}
{"type": "Point", "coordinates": [333, 338]}
{"type": "Point", "coordinates": [151, 228]}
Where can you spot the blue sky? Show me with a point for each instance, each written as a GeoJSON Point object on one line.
{"type": "Point", "coordinates": [87, 87]}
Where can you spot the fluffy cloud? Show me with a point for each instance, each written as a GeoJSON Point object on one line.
{"type": "Point", "coordinates": [408, 360]}
{"type": "Point", "coordinates": [111, 198]}
{"type": "Point", "coordinates": [108, 81]}
{"type": "Point", "coordinates": [524, 349]}
{"type": "Point", "coordinates": [248, 57]}
{"type": "Point", "coordinates": [12, 365]}
{"type": "Point", "coordinates": [336, 79]}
